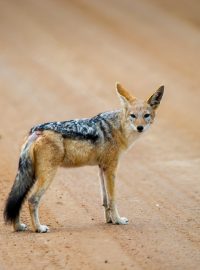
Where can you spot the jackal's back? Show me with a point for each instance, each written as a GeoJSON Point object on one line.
{"type": "Point", "coordinates": [97, 129]}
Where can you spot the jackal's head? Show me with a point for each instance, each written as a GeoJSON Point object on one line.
{"type": "Point", "coordinates": [138, 115]}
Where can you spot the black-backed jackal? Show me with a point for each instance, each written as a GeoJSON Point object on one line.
{"type": "Point", "coordinates": [96, 141]}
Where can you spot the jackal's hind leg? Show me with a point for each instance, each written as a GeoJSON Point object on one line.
{"type": "Point", "coordinates": [104, 196]}
{"type": "Point", "coordinates": [48, 153]}
{"type": "Point", "coordinates": [41, 185]}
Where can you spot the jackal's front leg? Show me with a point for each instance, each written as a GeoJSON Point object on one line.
{"type": "Point", "coordinates": [111, 210]}
{"type": "Point", "coordinates": [104, 196]}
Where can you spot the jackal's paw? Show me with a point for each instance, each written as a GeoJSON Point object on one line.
{"type": "Point", "coordinates": [42, 229]}
{"type": "Point", "coordinates": [20, 227]}
{"type": "Point", "coordinates": [108, 216]}
{"type": "Point", "coordinates": [120, 221]}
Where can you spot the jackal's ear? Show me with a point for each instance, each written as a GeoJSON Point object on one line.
{"type": "Point", "coordinates": [125, 97]}
{"type": "Point", "coordinates": [155, 99]}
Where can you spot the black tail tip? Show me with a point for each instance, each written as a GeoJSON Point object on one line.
{"type": "Point", "coordinates": [11, 211]}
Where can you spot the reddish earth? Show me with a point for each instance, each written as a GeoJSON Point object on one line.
{"type": "Point", "coordinates": [60, 60]}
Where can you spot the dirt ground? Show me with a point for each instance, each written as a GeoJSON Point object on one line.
{"type": "Point", "coordinates": [60, 60]}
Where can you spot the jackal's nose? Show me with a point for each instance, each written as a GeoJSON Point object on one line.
{"type": "Point", "coordinates": [140, 128]}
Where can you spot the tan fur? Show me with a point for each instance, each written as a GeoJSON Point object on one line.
{"type": "Point", "coordinates": [51, 151]}
{"type": "Point", "coordinates": [123, 92]}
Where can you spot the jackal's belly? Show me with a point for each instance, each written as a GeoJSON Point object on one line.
{"type": "Point", "coordinates": [80, 153]}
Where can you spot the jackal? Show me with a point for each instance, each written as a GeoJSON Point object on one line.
{"type": "Point", "coordinates": [99, 140]}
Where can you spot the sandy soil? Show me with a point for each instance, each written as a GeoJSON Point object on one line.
{"type": "Point", "coordinates": [60, 60]}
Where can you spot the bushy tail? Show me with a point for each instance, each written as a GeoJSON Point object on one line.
{"type": "Point", "coordinates": [24, 180]}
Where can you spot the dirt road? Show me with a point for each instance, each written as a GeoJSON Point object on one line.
{"type": "Point", "coordinates": [60, 60]}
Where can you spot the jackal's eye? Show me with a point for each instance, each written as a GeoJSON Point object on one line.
{"type": "Point", "coordinates": [132, 115]}
{"type": "Point", "coordinates": [147, 115]}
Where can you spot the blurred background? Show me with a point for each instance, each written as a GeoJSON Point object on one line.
{"type": "Point", "coordinates": [72, 52]}
{"type": "Point", "coordinates": [60, 60]}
